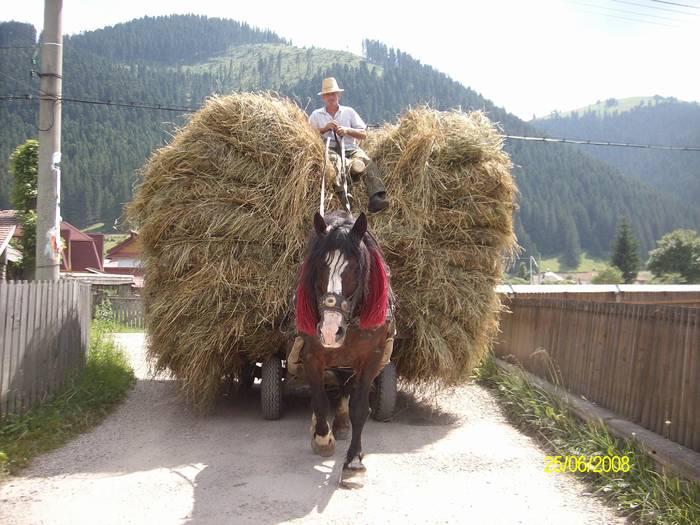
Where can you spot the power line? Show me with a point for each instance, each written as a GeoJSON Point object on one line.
{"type": "Point", "coordinates": [654, 18]}
{"type": "Point", "coordinates": [647, 6]}
{"type": "Point", "coordinates": [24, 83]}
{"type": "Point", "coordinates": [639, 20]}
{"type": "Point", "coordinates": [628, 12]}
{"type": "Point", "coordinates": [601, 143]}
{"type": "Point", "coordinates": [183, 109]}
{"type": "Point", "coordinates": [116, 103]}
{"type": "Point", "coordinates": [674, 3]}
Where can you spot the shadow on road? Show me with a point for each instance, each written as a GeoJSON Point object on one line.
{"type": "Point", "coordinates": [236, 466]}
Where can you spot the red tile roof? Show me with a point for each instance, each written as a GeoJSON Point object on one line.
{"type": "Point", "coordinates": [82, 251]}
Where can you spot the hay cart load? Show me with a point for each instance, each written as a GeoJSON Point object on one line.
{"type": "Point", "coordinates": [223, 212]}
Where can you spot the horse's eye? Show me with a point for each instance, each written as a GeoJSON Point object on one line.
{"type": "Point", "coordinates": [345, 306]}
{"type": "Point", "coordinates": [329, 301]}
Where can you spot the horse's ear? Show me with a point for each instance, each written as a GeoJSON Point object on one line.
{"type": "Point", "coordinates": [360, 227]}
{"type": "Point", "coordinates": [319, 224]}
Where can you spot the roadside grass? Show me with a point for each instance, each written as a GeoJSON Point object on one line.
{"type": "Point", "coordinates": [642, 493]}
{"type": "Point", "coordinates": [88, 397]}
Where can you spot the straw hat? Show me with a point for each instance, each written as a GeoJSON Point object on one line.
{"type": "Point", "coordinates": [329, 85]}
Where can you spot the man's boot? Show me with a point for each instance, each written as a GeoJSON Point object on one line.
{"type": "Point", "coordinates": [375, 189]}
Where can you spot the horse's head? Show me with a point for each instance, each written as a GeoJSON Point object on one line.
{"type": "Point", "coordinates": [341, 274]}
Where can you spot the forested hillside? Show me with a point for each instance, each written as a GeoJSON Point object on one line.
{"type": "Point", "coordinates": [569, 201]}
{"type": "Point", "coordinates": [664, 121]}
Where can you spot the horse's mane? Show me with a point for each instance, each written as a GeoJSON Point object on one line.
{"type": "Point", "coordinates": [373, 275]}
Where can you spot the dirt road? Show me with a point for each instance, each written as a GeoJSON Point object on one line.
{"type": "Point", "coordinates": [153, 462]}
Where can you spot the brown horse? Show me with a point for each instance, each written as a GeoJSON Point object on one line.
{"type": "Point", "coordinates": [343, 314]}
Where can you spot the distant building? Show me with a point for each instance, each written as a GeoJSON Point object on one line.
{"type": "Point", "coordinates": [81, 251]}
{"type": "Point", "coordinates": [124, 258]}
{"type": "Point", "coordinates": [8, 228]}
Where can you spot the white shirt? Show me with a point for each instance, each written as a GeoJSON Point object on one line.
{"type": "Point", "coordinates": [345, 116]}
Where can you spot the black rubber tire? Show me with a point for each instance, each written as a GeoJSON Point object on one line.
{"type": "Point", "coordinates": [271, 388]}
{"type": "Point", "coordinates": [383, 399]}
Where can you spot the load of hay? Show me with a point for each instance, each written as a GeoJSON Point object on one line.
{"type": "Point", "coordinates": [224, 210]}
{"type": "Point", "coordinates": [446, 237]}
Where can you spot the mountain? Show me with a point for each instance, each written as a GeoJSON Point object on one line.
{"type": "Point", "coordinates": [614, 106]}
{"type": "Point", "coordinates": [652, 121]}
{"type": "Point", "coordinates": [569, 201]}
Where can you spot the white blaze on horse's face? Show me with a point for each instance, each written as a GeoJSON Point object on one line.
{"type": "Point", "coordinates": [332, 329]}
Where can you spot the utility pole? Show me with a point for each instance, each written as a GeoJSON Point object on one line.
{"type": "Point", "coordinates": [48, 221]}
{"type": "Point", "coordinates": [533, 261]}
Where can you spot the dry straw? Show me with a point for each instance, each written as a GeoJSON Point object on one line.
{"type": "Point", "coordinates": [223, 212]}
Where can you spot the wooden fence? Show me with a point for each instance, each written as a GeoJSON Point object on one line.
{"type": "Point", "coordinates": [44, 333]}
{"type": "Point", "coordinates": [128, 311]}
{"type": "Point", "coordinates": [641, 361]}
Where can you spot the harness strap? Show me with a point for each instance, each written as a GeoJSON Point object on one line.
{"type": "Point", "coordinates": [323, 178]}
{"type": "Point", "coordinates": [344, 171]}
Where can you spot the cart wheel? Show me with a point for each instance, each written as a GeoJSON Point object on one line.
{"type": "Point", "coordinates": [271, 388]}
{"type": "Point", "coordinates": [383, 400]}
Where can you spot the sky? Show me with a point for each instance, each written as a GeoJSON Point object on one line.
{"type": "Point", "coordinates": [531, 57]}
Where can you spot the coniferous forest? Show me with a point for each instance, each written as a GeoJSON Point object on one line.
{"type": "Point", "coordinates": [570, 200]}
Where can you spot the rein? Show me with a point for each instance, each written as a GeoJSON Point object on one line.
{"type": "Point", "coordinates": [343, 171]}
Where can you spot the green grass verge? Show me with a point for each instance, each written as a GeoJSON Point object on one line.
{"type": "Point", "coordinates": [87, 399]}
{"type": "Point", "coordinates": [642, 493]}
{"type": "Point", "coordinates": [587, 264]}
{"type": "Point", "coordinates": [94, 228]}
{"type": "Point", "coordinates": [112, 239]}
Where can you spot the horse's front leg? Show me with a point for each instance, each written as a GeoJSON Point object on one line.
{"type": "Point", "coordinates": [353, 468]}
{"type": "Point", "coordinates": [322, 440]}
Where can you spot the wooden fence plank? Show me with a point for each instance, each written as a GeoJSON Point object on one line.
{"type": "Point", "coordinates": [7, 298]}
{"type": "Point", "coordinates": [30, 352]}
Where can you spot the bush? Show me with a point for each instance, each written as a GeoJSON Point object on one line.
{"type": "Point", "coordinates": [608, 275]}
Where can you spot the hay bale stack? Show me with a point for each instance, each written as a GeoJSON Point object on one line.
{"type": "Point", "coordinates": [446, 237]}
{"type": "Point", "coordinates": [224, 211]}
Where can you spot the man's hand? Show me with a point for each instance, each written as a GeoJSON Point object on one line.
{"type": "Point", "coordinates": [331, 126]}
{"type": "Point", "coordinates": [341, 131]}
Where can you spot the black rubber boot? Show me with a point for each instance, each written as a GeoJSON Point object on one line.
{"type": "Point", "coordinates": [374, 183]}
{"type": "Point", "coordinates": [378, 202]}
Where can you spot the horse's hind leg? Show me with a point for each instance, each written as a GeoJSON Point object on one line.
{"type": "Point", "coordinates": [322, 440]}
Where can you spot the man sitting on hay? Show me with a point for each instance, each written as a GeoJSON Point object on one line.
{"type": "Point", "coordinates": [342, 122]}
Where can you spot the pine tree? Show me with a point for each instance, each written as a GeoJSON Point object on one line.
{"type": "Point", "coordinates": [626, 252]}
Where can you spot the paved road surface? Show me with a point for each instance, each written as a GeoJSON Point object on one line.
{"type": "Point", "coordinates": [153, 462]}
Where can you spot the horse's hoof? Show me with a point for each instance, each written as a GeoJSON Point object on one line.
{"type": "Point", "coordinates": [341, 433]}
{"type": "Point", "coordinates": [352, 478]}
{"type": "Point", "coordinates": [323, 445]}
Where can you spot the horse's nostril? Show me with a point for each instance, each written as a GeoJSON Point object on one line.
{"type": "Point", "coordinates": [340, 332]}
